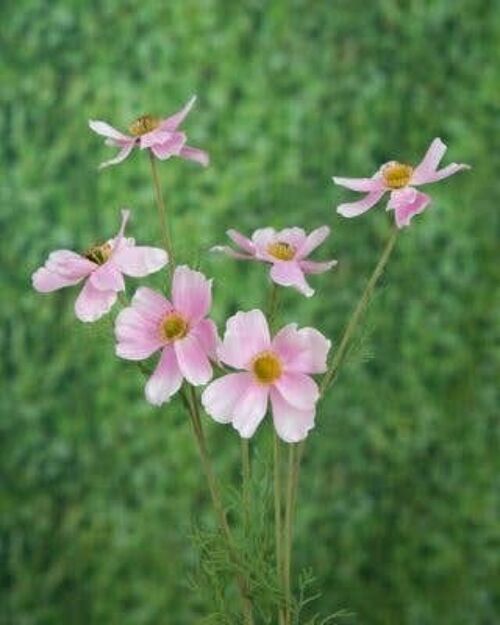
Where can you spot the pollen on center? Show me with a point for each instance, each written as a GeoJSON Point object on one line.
{"type": "Point", "coordinates": [143, 125]}
{"type": "Point", "coordinates": [99, 253]}
{"type": "Point", "coordinates": [267, 367]}
{"type": "Point", "coordinates": [397, 175]}
{"type": "Point", "coordinates": [173, 327]}
{"type": "Point", "coordinates": [281, 250]}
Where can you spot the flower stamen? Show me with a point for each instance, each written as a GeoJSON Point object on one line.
{"type": "Point", "coordinates": [144, 124]}
{"type": "Point", "coordinates": [397, 175]}
{"type": "Point", "coordinates": [173, 327]}
{"type": "Point", "coordinates": [267, 367]}
{"type": "Point", "coordinates": [281, 250]}
{"type": "Point", "coordinates": [99, 253]}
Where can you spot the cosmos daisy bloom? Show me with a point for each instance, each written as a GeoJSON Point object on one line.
{"type": "Point", "coordinates": [179, 330]}
{"type": "Point", "coordinates": [400, 180]}
{"type": "Point", "coordinates": [102, 267]}
{"type": "Point", "coordinates": [161, 136]}
{"type": "Point", "coordinates": [276, 370]}
{"type": "Point", "coordinates": [286, 250]}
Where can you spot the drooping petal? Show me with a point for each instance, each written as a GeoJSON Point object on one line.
{"type": "Point", "coordinates": [249, 409]}
{"type": "Point", "coordinates": [404, 211]}
{"type": "Point", "coordinates": [69, 264]}
{"type": "Point", "coordinates": [220, 397]}
{"type": "Point", "coordinates": [93, 303]}
{"type": "Point", "coordinates": [139, 261]}
{"type": "Point", "coordinates": [107, 278]}
{"type": "Point", "coordinates": [150, 304]}
{"type": "Point", "coordinates": [121, 156]}
{"type": "Point", "coordinates": [171, 147]}
{"type": "Point", "coordinates": [298, 389]}
{"type": "Point", "coordinates": [191, 293]}
{"type": "Point", "coordinates": [247, 334]}
{"type": "Point", "coordinates": [313, 240]}
{"type": "Point", "coordinates": [291, 424]}
{"type": "Point", "coordinates": [206, 333]}
{"type": "Point", "coordinates": [353, 209]}
{"type": "Point", "coordinates": [360, 184]}
{"type": "Point", "coordinates": [156, 137]}
{"type": "Point", "coordinates": [166, 379]}
{"type": "Point", "coordinates": [241, 241]}
{"type": "Point", "coordinates": [137, 335]}
{"type": "Point", "coordinates": [304, 350]}
{"type": "Point", "coordinates": [195, 154]}
{"type": "Point", "coordinates": [311, 266]}
{"type": "Point", "coordinates": [289, 273]}
{"type": "Point", "coordinates": [171, 123]}
{"type": "Point", "coordinates": [45, 281]}
{"type": "Point", "coordinates": [193, 360]}
{"type": "Point", "coordinates": [104, 129]}
{"type": "Point", "coordinates": [225, 249]}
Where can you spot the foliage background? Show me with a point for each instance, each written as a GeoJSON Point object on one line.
{"type": "Point", "coordinates": [400, 513]}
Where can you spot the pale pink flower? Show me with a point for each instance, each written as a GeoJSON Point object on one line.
{"type": "Point", "coordinates": [179, 329]}
{"type": "Point", "coordinates": [161, 136]}
{"type": "Point", "coordinates": [286, 250]}
{"type": "Point", "coordinates": [400, 180]}
{"type": "Point", "coordinates": [102, 267]}
{"type": "Point", "coordinates": [276, 370]}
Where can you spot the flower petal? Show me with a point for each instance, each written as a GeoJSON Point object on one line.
{"type": "Point", "coordinates": [191, 293]}
{"type": "Point", "coordinates": [121, 156]}
{"type": "Point", "coordinates": [313, 240]}
{"type": "Point", "coordinates": [310, 266]}
{"type": "Point", "coordinates": [250, 409]}
{"type": "Point", "coordinates": [220, 396]}
{"type": "Point", "coordinates": [151, 304]}
{"type": "Point", "coordinates": [93, 303]}
{"type": "Point", "coordinates": [140, 261]}
{"type": "Point", "coordinates": [193, 360]}
{"type": "Point", "coordinates": [360, 184]}
{"type": "Point", "coordinates": [107, 278]}
{"type": "Point", "coordinates": [171, 123]}
{"type": "Point", "coordinates": [69, 264]}
{"type": "Point", "coordinates": [289, 273]}
{"type": "Point", "coordinates": [428, 165]}
{"type": "Point", "coordinates": [353, 209]}
{"type": "Point", "coordinates": [225, 249]}
{"type": "Point", "coordinates": [241, 241]}
{"type": "Point", "coordinates": [166, 379]}
{"type": "Point", "coordinates": [137, 335]}
{"type": "Point", "coordinates": [247, 334]}
{"type": "Point", "coordinates": [292, 425]}
{"type": "Point", "coordinates": [195, 154]}
{"type": "Point", "coordinates": [304, 350]}
{"type": "Point", "coordinates": [171, 147]}
{"type": "Point", "coordinates": [298, 389]}
{"type": "Point", "coordinates": [405, 210]}
{"type": "Point", "coordinates": [45, 281]}
{"type": "Point", "coordinates": [206, 333]}
{"type": "Point", "coordinates": [104, 129]}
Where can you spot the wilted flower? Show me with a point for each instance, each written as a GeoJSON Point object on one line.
{"type": "Point", "coordinates": [103, 267]}
{"type": "Point", "coordinates": [161, 136]}
{"type": "Point", "coordinates": [286, 250]}
{"type": "Point", "coordinates": [400, 180]}
{"type": "Point", "coordinates": [179, 329]}
{"type": "Point", "coordinates": [276, 370]}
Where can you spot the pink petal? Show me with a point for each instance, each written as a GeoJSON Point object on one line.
{"type": "Point", "coordinates": [69, 264]}
{"type": "Point", "coordinates": [262, 238]}
{"type": "Point", "coordinates": [296, 237]}
{"type": "Point", "coordinates": [304, 350]}
{"type": "Point", "coordinates": [225, 249]}
{"type": "Point", "coordinates": [172, 147]}
{"type": "Point", "coordinates": [166, 379]}
{"type": "Point", "coordinates": [353, 209]}
{"type": "Point", "coordinates": [137, 335]}
{"type": "Point", "coordinates": [292, 425]}
{"type": "Point", "coordinates": [107, 278]}
{"type": "Point", "coordinates": [157, 137]}
{"type": "Point", "coordinates": [313, 240]}
{"type": "Point", "coordinates": [220, 397]}
{"type": "Point", "coordinates": [191, 293]}
{"type": "Point", "coordinates": [121, 156]}
{"type": "Point", "coordinates": [250, 409]}
{"type": "Point", "coordinates": [45, 281]}
{"type": "Point", "coordinates": [289, 273]}
{"type": "Point", "coordinates": [93, 303]}
{"type": "Point", "coordinates": [428, 165]}
{"type": "Point", "coordinates": [310, 266]}
{"type": "Point", "coordinates": [150, 304]}
{"type": "Point", "coordinates": [405, 211]}
{"type": "Point", "coordinates": [172, 122]}
{"type": "Point", "coordinates": [206, 333]}
{"type": "Point", "coordinates": [446, 172]}
{"type": "Point", "coordinates": [105, 130]}
{"type": "Point", "coordinates": [140, 261]}
{"type": "Point", "coordinates": [247, 334]}
{"type": "Point", "coordinates": [360, 184]}
{"type": "Point", "coordinates": [195, 154]}
{"type": "Point", "coordinates": [241, 241]}
{"type": "Point", "coordinates": [193, 361]}
{"type": "Point", "coordinates": [298, 389]}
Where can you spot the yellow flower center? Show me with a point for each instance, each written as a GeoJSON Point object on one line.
{"type": "Point", "coordinates": [267, 367]}
{"type": "Point", "coordinates": [281, 250]}
{"type": "Point", "coordinates": [397, 175]}
{"type": "Point", "coordinates": [143, 125]}
{"type": "Point", "coordinates": [173, 327]}
{"type": "Point", "coordinates": [99, 253]}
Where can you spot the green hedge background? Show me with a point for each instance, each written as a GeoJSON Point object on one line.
{"type": "Point", "coordinates": [399, 507]}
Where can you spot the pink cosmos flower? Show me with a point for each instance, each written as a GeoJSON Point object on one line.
{"type": "Point", "coordinates": [161, 136]}
{"type": "Point", "coordinates": [286, 250]}
{"type": "Point", "coordinates": [102, 267]}
{"type": "Point", "coordinates": [400, 180]}
{"type": "Point", "coordinates": [276, 370]}
{"type": "Point", "coordinates": [179, 329]}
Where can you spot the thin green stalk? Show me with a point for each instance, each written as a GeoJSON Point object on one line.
{"type": "Point", "coordinates": [246, 477]}
{"type": "Point", "coordinates": [288, 531]}
{"type": "Point", "coordinates": [162, 213]}
{"type": "Point", "coordinates": [278, 520]}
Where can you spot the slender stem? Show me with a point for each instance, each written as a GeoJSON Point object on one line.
{"type": "Point", "coordinates": [278, 519]}
{"type": "Point", "coordinates": [363, 302]}
{"type": "Point", "coordinates": [191, 401]}
{"type": "Point", "coordinates": [287, 560]}
{"type": "Point", "coordinates": [246, 477]}
{"type": "Point", "coordinates": [272, 308]}
{"type": "Point", "coordinates": [162, 213]}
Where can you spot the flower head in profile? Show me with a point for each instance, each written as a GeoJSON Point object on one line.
{"type": "Point", "coordinates": [276, 370]}
{"type": "Point", "coordinates": [400, 180]}
{"type": "Point", "coordinates": [178, 329]}
{"type": "Point", "coordinates": [102, 267]}
{"type": "Point", "coordinates": [285, 250]}
{"type": "Point", "coordinates": [161, 136]}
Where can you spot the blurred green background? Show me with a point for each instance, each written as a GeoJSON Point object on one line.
{"type": "Point", "coordinates": [399, 508]}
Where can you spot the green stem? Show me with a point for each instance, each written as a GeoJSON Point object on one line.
{"type": "Point", "coordinates": [162, 213]}
{"type": "Point", "coordinates": [288, 531]}
{"type": "Point", "coordinates": [246, 477]}
{"type": "Point", "coordinates": [278, 520]}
